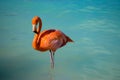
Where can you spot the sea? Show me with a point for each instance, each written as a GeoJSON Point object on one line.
{"type": "Point", "coordinates": [93, 25]}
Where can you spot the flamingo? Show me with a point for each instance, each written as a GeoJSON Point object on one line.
{"type": "Point", "coordinates": [48, 40]}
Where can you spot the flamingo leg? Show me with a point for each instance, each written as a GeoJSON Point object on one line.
{"type": "Point", "coordinates": [52, 59]}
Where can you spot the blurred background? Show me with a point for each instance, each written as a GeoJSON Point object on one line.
{"type": "Point", "coordinates": [94, 25]}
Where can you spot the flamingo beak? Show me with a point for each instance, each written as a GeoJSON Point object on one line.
{"type": "Point", "coordinates": [34, 28]}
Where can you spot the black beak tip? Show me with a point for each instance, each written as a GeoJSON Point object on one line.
{"type": "Point", "coordinates": [35, 32]}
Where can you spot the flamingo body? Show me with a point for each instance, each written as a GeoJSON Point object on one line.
{"type": "Point", "coordinates": [48, 39]}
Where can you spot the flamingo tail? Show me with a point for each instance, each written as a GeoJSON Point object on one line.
{"type": "Point", "coordinates": [69, 39]}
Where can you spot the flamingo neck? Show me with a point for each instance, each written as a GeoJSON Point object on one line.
{"type": "Point", "coordinates": [35, 43]}
{"type": "Point", "coordinates": [40, 25]}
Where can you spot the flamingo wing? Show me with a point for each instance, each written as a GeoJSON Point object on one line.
{"type": "Point", "coordinates": [52, 39]}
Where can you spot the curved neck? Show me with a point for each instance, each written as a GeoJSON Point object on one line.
{"type": "Point", "coordinates": [36, 40]}
{"type": "Point", "coordinates": [40, 25]}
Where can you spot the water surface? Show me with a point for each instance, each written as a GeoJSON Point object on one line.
{"type": "Point", "coordinates": [92, 24]}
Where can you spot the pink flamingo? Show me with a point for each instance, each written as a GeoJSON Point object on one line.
{"type": "Point", "coordinates": [51, 39]}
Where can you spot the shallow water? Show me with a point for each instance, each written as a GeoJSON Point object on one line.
{"type": "Point", "coordinates": [92, 24]}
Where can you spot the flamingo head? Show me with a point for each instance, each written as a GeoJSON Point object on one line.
{"type": "Point", "coordinates": [35, 21]}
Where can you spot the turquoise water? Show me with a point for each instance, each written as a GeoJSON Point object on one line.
{"type": "Point", "coordinates": [94, 25]}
